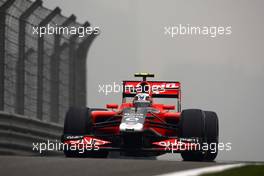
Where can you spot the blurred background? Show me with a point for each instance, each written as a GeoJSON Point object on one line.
{"type": "Point", "coordinates": [224, 74]}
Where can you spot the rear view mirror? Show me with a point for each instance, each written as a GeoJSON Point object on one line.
{"type": "Point", "coordinates": [169, 107]}
{"type": "Point", "coordinates": [112, 106]}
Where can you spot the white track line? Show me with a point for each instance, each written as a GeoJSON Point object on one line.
{"type": "Point", "coordinates": [204, 170]}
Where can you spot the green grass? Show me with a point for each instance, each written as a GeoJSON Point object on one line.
{"type": "Point", "coordinates": [251, 170]}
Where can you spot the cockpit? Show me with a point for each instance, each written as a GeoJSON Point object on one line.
{"type": "Point", "coordinates": [142, 100]}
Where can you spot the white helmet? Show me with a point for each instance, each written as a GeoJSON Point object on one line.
{"type": "Point", "coordinates": [142, 100]}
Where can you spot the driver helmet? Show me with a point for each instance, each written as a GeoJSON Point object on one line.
{"type": "Point", "coordinates": [142, 100]}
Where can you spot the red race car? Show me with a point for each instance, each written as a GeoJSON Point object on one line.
{"type": "Point", "coordinates": [141, 127]}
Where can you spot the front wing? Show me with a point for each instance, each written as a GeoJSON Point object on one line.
{"type": "Point", "coordinates": [118, 143]}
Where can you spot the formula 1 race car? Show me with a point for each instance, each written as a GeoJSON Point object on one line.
{"type": "Point", "coordinates": [141, 127]}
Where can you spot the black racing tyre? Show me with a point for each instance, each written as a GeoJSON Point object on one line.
{"type": "Point", "coordinates": [212, 135]}
{"type": "Point", "coordinates": [78, 121]}
{"type": "Point", "coordinates": [192, 125]}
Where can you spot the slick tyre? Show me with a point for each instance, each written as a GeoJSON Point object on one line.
{"type": "Point", "coordinates": [192, 125]}
{"type": "Point", "coordinates": [78, 121]}
{"type": "Point", "coordinates": [212, 135]}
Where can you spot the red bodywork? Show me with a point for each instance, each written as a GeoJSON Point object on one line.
{"type": "Point", "coordinates": [163, 121]}
{"type": "Point", "coordinates": [157, 89]}
{"type": "Point", "coordinates": [164, 115]}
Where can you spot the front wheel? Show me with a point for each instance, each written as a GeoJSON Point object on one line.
{"type": "Point", "coordinates": [78, 122]}
{"type": "Point", "coordinates": [203, 125]}
{"type": "Point", "coordinates": [192, 125]}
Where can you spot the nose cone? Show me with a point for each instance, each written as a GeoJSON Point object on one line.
{"type": "Point", "coordinates": [132, 120]}
{"type": "Point", "coordinates": [130, 127]}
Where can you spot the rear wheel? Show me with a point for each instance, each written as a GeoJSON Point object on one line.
{"type": "Point", "coordinates": [78, 121]}
{"type": "Point", "coordinates": [192, 125]}
{"type": "Point", "coordinates": [212, 134]}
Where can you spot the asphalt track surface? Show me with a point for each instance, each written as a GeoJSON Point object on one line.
{"type": "Point", "coordinates": [59, 165]}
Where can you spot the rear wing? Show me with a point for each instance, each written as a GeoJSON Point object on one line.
{"type": "Point", "coordinates": [158, 89]}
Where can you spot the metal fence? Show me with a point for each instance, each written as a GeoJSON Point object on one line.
{"type": "Point", "coordinates": [40, 77]}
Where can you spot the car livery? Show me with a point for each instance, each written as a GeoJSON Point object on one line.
{"type": "Point", "coordinates": [141, 127]}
